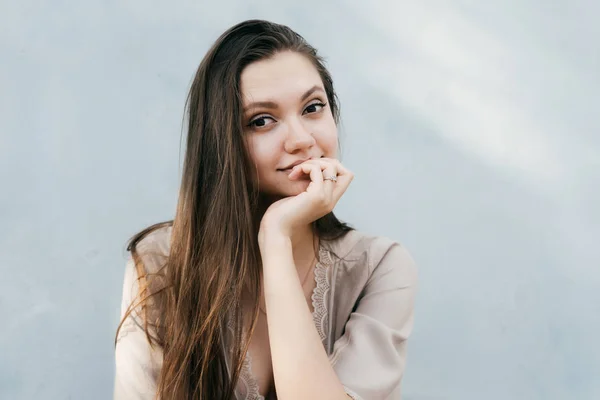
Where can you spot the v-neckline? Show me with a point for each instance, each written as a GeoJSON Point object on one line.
{"type": "Point", "coordinates": [319, 298]}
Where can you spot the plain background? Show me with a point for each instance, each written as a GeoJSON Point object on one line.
{"type": "Point", "coordinates": [472, 129]}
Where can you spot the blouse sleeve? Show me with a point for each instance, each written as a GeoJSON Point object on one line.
{"type": "Point", "coordinates": [370, 357]}
{"type": "Point", "coordinates": [136, 364]}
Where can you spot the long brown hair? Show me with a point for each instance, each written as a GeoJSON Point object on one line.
{"type": "Point", "coordinates": [214, 252]}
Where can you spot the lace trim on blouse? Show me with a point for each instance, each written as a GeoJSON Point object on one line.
{"type": "Point", "coordinates": [321, 293]}
{"type": "Point", "coordinates": [248, 386]}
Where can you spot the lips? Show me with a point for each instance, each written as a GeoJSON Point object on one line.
{"type": "Point", "coordinates": [289, 167]}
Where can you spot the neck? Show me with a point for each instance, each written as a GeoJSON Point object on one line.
{"type": "Point", "coordinates": [304, 242]}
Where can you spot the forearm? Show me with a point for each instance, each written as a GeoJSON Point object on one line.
{"type": "Point", "coordinates": [301, 367]}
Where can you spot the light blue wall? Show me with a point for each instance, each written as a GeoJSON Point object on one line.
{"type": "Point", "coordinates": [472, 129]}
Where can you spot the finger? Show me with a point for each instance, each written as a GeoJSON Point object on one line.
{"type": "Point", "coordinates": [341, 170]}
{"type": "Point", "coordinates": [336, 189]}
{"type": "Point", "coordinates": [328, 170]}
{"type": "Point", "coordinates": [315, 174]}
{"type": "Point", "coordinates": [297, 172]}
{"type": "Point", "coordinates": [330, 175]}
{"type": "Point", "coordinates": [344, 177]}
{"type": "Point", "coordinates": [305, 168]}
{"type": "Point", "coordinates": [323, 163]}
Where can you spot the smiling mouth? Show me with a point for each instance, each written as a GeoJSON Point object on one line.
{"type": "Point", "coordinates": [302, 177]}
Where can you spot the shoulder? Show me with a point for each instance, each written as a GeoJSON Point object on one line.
{"type": "Point", "coordinates": [156, 241]}
{"type": "Point", "coordinates": [356, 246]}
{"type": "Point", "coordinates": [361, 253]}
{"type": "Point", "coordinates": [144, 274]}
{"type": "Point", "coordinates": [144, 269]}
{"type": "Point", "coordinates": [153, 248]}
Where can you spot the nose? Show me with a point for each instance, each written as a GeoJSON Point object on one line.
{"type": "Point", "coordinates": [298, 137]}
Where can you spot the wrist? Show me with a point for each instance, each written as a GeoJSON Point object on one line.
{"type": "Point", "coordinates": [273, 238]}
{"type": "Point", "coordinates": [272, 226]}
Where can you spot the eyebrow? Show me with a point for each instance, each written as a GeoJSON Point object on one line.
{"type": "Point", "coordinates": [272, 105]}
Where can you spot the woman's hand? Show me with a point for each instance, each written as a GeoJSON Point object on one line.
{"type": "Point", "coordinates": [320, 197]}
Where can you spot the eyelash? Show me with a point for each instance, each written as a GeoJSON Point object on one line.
{"type": "Point", "coordinates": [252, 122]}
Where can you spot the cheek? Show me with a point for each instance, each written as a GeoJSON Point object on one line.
{"type": "Point", "coordinates": [328, 139]}
{"type": "Point", "coordinates": [262, 152]}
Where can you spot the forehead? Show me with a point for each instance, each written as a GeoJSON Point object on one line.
{"type": "Point", "coordinates": [286, 75]}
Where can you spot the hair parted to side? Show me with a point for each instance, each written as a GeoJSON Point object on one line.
{"type": "Point", "coordinates": [214, 253]}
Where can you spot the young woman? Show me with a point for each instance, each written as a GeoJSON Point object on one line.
{"type": "Point", "coordinates": [256, 290]}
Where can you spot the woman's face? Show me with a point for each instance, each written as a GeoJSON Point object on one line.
{"type": "Point", "coordinates": [287, 119]}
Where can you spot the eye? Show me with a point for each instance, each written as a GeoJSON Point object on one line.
{"type": "Point", "coordinates": [260, 122]}
{"type": "Point", "coordinates": [314, 107]}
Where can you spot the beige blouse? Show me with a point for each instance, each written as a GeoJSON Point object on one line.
{"type": "Point", "coordinates": [363, 311]}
